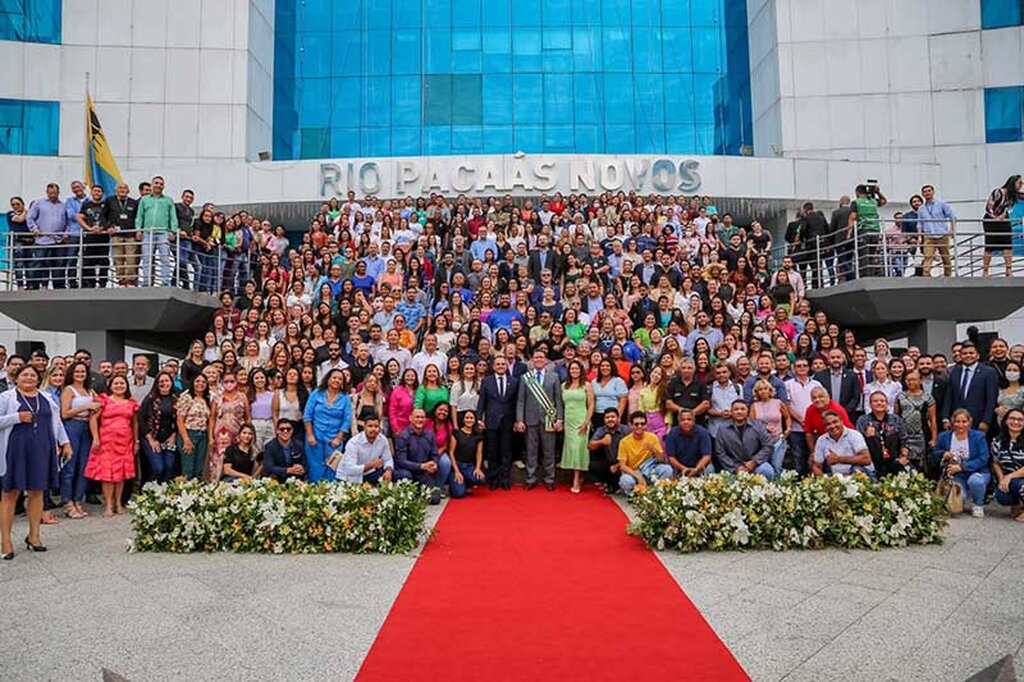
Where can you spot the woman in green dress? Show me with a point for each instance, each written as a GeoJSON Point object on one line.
{"type": "Point", "coordinates": [578, 398]}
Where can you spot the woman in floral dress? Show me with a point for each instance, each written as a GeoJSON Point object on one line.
{"type": "Point", "coordinates": [227, 414]}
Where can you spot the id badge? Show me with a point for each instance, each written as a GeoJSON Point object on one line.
{"type": "Point", "coordinates": [124, 216]}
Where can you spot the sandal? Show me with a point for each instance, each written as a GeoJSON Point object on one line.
{"type": "Point", "coordinates": [71, 511]}
{"type": "Point", "coordinates": [49, 519]}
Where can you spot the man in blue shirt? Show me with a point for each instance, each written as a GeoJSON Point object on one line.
{"type": "Point", "coordinates": [502, 316]}
{"type": "Point", "coordinates": [688, 447]}
{"type": "Point", "coordinates": [417, 458]}
{"type": "Point", "coordinates": [935, 227]}
{"type": "Point", "coordinates": [375, 265]}
{"type": "Point", "coordinates": [765, 365]}
{"type": "Point", "coordinates": [48, 222]}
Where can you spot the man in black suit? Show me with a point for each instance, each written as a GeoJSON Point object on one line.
{"type": "Point", "coordinates": [933, 382]}
{"type": "Point", "coordinates": [542, 257]}
{"type": "Point", "coordinates": [842, 384]}
{"type": "Point", "coordinates": [496, 412]}
{"type": "Point", "coordinates": [973, 387]}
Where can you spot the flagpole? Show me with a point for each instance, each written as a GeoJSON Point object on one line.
{"type": "Point", "coordinates": [88, 137]}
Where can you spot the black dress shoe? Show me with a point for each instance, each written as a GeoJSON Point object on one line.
{"type": "Point", "coordinates": [528, 486]}
{"type": "Point", "coordinates": [34, 548]}
{"type": "Point", "coordinates": [549, 486]}
{"type": "Point", "coordinates": [506, 486]}
{"type": "Point", "coordinates": [8, 556]}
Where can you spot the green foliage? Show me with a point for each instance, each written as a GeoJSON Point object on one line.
{"type": "Point", "coordinates": [268, 517]}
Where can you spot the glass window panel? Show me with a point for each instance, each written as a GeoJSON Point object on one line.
{"type": "Point", "coordinates": [1004, 109]}
{"type": "Point", "coordinates": [467, 139]}
{"type": "Point", "coordinates": [344, 59]}
{"type": "Point", "coordinates": [526, 13]}
{"type": "Point", "coordinates": [616, 12]}
{"type": "Point", "coordinates": [376, 102]}
{"type": "Point", "coordinates": [679, 139]}
{"type": "Point", "coordinates": [706, 12]}
{"type": "Point", "coordinates": [467, 100]}
{"type": "Point", "coordinates": [498, 16]}
{"type": "Point", "coordinates": [378, 13]}
{"type": "Point", "coordinates": [347, 102]}
{"type": "Point", "coordinates": [437, 100]}
{"type": "Point", "coordinates": [10, 140]}
{"type": "Point", "coordinates": [557, 61]}
{"type": "Point", "coordinates": [675, 12]}
{"type": "Point", "coordinates": [704, 98]}
{"type": "Point", "coordinates": [679, 98]}
{"type": "Point", "coordinates": [405, 58]}
{"type": "Point", "coordinates": [618, 139]}
{"type": "Point", "coordinates": [647, 52]}
{"type": "Point", "coordinates": [648, 98]}
{"type": "Point", "coordinates": [559, 138]}
{"type": "Point", "coordinates": [497, 98]}
{"type": "Point", "coordinates": [344, 143]}
{"type": "Point", "coordinates": [320, 12]}
{"type": "Point", "coordinates": [676, 51]}
{"type": "Point", "coordinates": [586, 49]}
{"type": "Point", "coordinates": [589, 139]}
{"type": "Point", "coordinates": [466, 13]}
{"type": "Point", "coordinates": [650, 139]}
{"type": "Point", "coordinates": [437, 13]}
{"type": "Point", "coordinates": [617, 49]}
{"type": "Point", "coordinates": [406, 99]}
{"type": "Point", "coordinates": [557, 38]}
{"type": "Point", "coordinates": [557, 100]}
{"type": "Point", "coordinates": [315, 56]}
{"type": "Point", "coordinates": [40, 21]}
{"type": "Point", "coordinates": [466, 38]}
{"type": "Point", "coordinates": [705, 139]}
{"type": "Point", "coordinates": [526, 98]}
{"type": "Point", "coordinates": [405, 141]}
{"type": "Point", "coordinates": [437, 140]}
{"type": "Point", "coordinates": [646, 14]}
{"type": "Point", "coordinates": [497, 50]}
{"type": "Point", "coordinates": [466, 61]}
{"type": "Point", "coordinates": [11, 113]}
{"type": "Point", "coordinates": [377, 53]}
{"type": "Point", "coordinates": [618, 98]}
{"type": "Point", "coordinates": [588, 98]}
{"type": "Point", "coordinates": [375, 142]}
{"type": "Point", "coordinates": [1000, 13]}
{"type": "Point", "coordinates": [314, 96]}
{"type": "Point", "coordinates": [315, 143]}
{"type": "Point", "coordinates": [526, 48]}
{"type": "Point", "coordinates": [405, 13]}
{"type": "Point", "coordinates": [438, 50]}
{"type": "Point", "coordinates": [586, 12]}
{"type": "Point", "coordinates": [529, 139]}
{"type": "Point", "coordinates": [556, 13]}
{"type": "Point", "coordinates": [707, 52]}
{"type": "Point", "coordinates": [497, 139]}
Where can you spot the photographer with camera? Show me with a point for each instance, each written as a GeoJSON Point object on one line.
{"type": "Point", "coordinates": [869, 228]}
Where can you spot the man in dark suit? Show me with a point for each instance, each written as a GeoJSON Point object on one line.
{"type": "Point", "coordinates": [496, 412]}
{"type": "Point", "coordinates": [542, 257]}
{"type": "Point", "coordinates": [842, 384]}
{"type": "Point", "coordinates": [540, 414]}
{"type": "Point", "coordinates": [973, 387]}
{"type": "Point", "coordinates": [933, 382]}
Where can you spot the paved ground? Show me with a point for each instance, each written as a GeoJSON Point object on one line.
{"type": "Point", "coordinates": [922, 613]}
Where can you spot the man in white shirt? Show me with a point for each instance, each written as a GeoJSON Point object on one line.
{"type": "Point", "coordinates": [140, 383]}
{"type": "Point", "coordinates": [394, 350]}
{"type": "Point", "coordinates": [843, 450]}
{"type": "Point", "coordinates": [333, 360]}
{"type": "Point", "coordinates": [430, 355]}
{"type": "Point", "coordinates": [799, 390]}
{"type": "Point", "coordinates": [367, 455]}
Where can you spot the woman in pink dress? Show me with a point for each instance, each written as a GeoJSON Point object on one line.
{"type": "Point", "coordinates": [227, 415]}
{"type": "Point", "coordinates": [115, 440]}
{"type": "Point", "coordinates": [400, 403]}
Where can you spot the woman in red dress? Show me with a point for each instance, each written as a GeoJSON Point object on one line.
{"type": "Point", "coordinates": [115, 440]}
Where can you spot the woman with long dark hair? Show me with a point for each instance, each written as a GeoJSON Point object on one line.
{"type": "Point", "coordinates": [327, 419]}
{"type": "Point", "coordinates": [158, 421]}
{"type": "Point", "coordinates": [193, 415]}
{"type": "Point", "coordinates": [998, 233]}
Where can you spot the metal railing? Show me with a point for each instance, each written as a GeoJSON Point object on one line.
{"type": "Point", "coordinates": [884, 249]}
{"type": "Point", "coordinates": [147, 258]}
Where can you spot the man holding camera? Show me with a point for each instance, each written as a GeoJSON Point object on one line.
{"type": "Point", "coordinates": [869, 227]}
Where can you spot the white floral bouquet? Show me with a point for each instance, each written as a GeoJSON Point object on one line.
{"type": "Point", "coordinates": [727, 511]}
{"type": "Point", "coordinates": [266, 516]}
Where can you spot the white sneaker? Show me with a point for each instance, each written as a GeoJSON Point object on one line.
{"type": "Point", "coordinates": [978, 512]}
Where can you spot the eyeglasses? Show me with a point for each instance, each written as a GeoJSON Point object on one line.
{"type": "Point", "coordinates": [284, 428]}
{"type": "Point", "coordinates": [640, 424]}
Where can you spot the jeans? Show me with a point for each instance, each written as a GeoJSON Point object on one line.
{"type": "Point", "coordinates": [800, 452]}
{"type": "Point", "coordinates": [183, 256]}
{"type": "Point", "coordinates": [161, 461]}
{"type": "Point", "coordinates": [95, 261]}
{"type": "Point", "coordinates": [468, 479]}
{"type": "Point", "coordinates": [651, 469]}
{"type": "Point", "coordinates": [72, 476]}
{"type": "Point", "coordinates": [444, 470]}
{"type": "Point", "coordinates": [192, 465]}
{"type": "Point", "coordinates": [1015, 496]}
{"type": "Point", "coordinates": [778, 455]}
{"type": "Point", "coordinates": [974, 486]}
{"type": "Point", "coordinates": [50, 266]}
{"type": "Point", "coordinates": [156, 253]}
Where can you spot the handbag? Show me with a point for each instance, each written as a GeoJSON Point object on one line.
{"type": "Point", "coordinates": [334, 460]}
{"type": "Point", "coordinates": [950, 490]}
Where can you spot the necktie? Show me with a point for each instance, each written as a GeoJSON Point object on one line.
{"type": "Point", "coordinates": [540, 378]}
{"type": "Point", "coordinates": [860, 375]}
{"type": "Point", "coordinates": [501, 385]}
{"type": "Point", "coordinates": [965, 385]}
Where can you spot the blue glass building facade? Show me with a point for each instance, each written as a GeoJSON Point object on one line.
{"type": "Point", "coordinates": [436, 77]}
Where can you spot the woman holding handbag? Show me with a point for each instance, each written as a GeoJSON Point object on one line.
{"type": "Point", "coordinates": [963, 455]}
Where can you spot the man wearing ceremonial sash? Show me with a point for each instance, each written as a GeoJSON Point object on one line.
{"type": "Point", "coordinates": [539, 414]}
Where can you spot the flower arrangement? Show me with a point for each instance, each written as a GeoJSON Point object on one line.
{"type": "Point", "coordinates": [270, 517]}
{"type": "Point", "coordinates": [728, 511]}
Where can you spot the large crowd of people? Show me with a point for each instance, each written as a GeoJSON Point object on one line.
{"type": "Point", "coordinates": [450, 341]}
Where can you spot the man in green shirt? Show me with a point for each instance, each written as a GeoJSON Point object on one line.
{"type": "Point", "coordinates": [157, 219]}
{"type": "Point", "coordinates": [869, 228]}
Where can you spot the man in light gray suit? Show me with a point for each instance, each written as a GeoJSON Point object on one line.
{"type": "Point", "coordinates": [539, 414]}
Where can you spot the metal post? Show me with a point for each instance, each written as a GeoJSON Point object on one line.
{"type": "Point", "coordinates": [80, 259]}
{"type": "Point", "coordinates": [856, 253]}
{"type": "Point", "coordinates": [819, 266]}
{"type": "Point", "coordinates": [952, 247]}
{"type": "Point", "coordinates": [885, 252]}
{"type": "Point", "coordinates": [177, 262]}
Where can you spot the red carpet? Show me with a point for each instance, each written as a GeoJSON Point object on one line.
{"type": "Point", "coordinates": [540, 586]}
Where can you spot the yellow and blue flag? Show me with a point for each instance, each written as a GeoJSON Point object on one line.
{"type": "Point", "coordinates": [100, 167]}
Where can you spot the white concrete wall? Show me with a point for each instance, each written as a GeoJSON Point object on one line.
{"type": "Point", "coordinates": [885, 80]}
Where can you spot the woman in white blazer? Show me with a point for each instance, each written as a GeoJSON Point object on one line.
{"type": "Point", "coordinates": [31, 434]}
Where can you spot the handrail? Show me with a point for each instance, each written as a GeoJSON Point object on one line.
{"type": "Point", "coordinates": [147, 258]}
